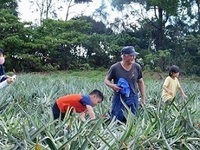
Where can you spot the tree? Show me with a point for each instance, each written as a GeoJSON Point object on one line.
{"type": "Point", "coordinates": [190, 54]}
{"type": "Point", "coordinates": [97, 26]}
{"type": "Point", "coordinates": [198, 13]}
{"type": "Point", "coordinates": [45, 8]}
{"type": "Point", "coordinates": [194, 15]}
{"type": "Point", "coordinates": [162, 11]}
{"type": "Point", "coordinates": [71, 3]}
{"type": "Point", "coordinates": [12, 5]}
{"type": "Point", "coordinates": [12, 37]}
{"type": "Point", "coordinates": [49, 8]}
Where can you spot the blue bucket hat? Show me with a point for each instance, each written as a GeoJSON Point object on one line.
{"type": "Point", "coordinates": [125, 88]}
{"type": "Point", "coordinates": [130, 50]}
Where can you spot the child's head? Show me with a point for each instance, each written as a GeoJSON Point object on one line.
{"type": "Point", "coordinates": [96, 96]}
{"type": "Point", "coordinates": [173, 70]}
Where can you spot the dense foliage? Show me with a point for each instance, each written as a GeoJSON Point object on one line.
{"type": "Point", "coordinates": [169, 37]}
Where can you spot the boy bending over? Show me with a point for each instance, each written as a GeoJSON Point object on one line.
{"type": "Point", "coordinates": [78, 103]}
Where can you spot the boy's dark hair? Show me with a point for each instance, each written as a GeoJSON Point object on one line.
{"type": "Point", "coordinates": [173, 69]}
{"type": "Point", "coordinates": [97, 93]}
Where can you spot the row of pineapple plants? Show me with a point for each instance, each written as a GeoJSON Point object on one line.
{"type": "Point", "coordinates": [26, 119]}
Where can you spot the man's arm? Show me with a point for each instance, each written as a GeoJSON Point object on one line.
{"type": "Point", "coordinates": [111, 85]}
{"type": "Point", "coordinates": [142, 90]}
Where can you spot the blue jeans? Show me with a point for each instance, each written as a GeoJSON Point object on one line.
{"type": "Point", "coordinates": [57, 113]}
{"type": "Point", "coordinates": [118, 107]}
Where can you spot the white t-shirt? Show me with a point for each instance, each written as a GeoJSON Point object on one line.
{"type": "Point", "coordinates": [3, 84]}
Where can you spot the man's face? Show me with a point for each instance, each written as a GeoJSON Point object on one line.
{"type": "Point", "coordinates": [130, 59]}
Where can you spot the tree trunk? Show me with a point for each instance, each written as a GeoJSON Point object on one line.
{"type": "Point", "coordinates": [198, 7]}
{"type": "Point", "coordinates": [160, 27]}
{"type": "Point", "coordinates": [67, 13]}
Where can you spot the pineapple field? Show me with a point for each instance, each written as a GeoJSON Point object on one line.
{"type": "Point", "coordinates": [26, 121]}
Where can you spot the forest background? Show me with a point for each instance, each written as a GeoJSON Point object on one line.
{"type": "Point", "coordinates": [163, 32]}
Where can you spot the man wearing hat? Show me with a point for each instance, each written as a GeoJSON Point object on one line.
{"type": "Point", "coordinates": [121, 74]}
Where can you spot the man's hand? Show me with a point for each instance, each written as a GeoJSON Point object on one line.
{"type": "Point", "coordinates": [111, 85]}
{"type": "Point", "coordinates": [115, 87]}
{"type": "Point", "coordinates": [142, 102]}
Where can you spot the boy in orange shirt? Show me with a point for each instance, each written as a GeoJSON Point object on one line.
{"type": "Point", "coordinates": [78, 103]}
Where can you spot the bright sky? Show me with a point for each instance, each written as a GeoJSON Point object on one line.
{"type": "Point", "coordinates": [28, 13]}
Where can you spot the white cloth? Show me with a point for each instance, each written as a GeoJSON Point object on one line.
{"type": "Point", "coordinates": [3, 84]}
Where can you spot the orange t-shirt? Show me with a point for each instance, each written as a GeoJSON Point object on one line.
{"type": "Point", "coordinates": [72, 101]}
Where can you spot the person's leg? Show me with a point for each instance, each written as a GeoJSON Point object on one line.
{"type": "Point", "coordinates": [136, 104]}
{"type": "Point", "coordinates": [117, 108]}
{"type": "Point", "coordinates": [132, 103]}
{"type": "Point", "coordinates": [62, 116]}
{"type": "Point", "coordinates": [56, 111]}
